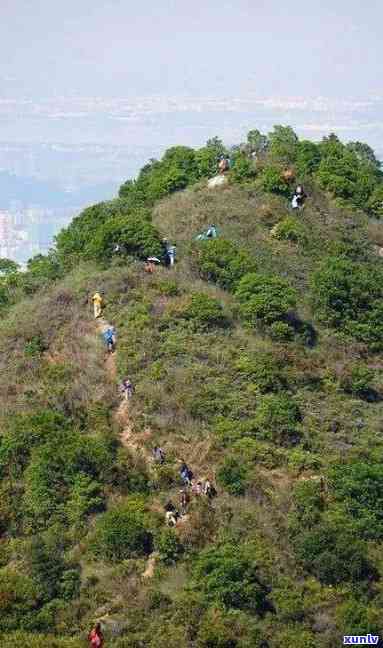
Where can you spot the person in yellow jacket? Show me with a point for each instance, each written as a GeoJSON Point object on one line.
{"type": "Point", "coordinates": [97, 304]}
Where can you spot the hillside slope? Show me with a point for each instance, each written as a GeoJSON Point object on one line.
{"type": "Point", "coordinates": [257, 360]}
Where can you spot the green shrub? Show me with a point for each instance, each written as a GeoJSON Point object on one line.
{"type": "Point", "coordinates": [222, 261]}
{"type": "Point", "coordinates": [242, 170]}
{"type": "Point", "coordinates": [70, 584]}
{"type": "Point", "coordinates": [294, 637]}
{"type": "Point", "coordinates": [168, 546]}
{"type": "Point", "coordinates": [263, 369]}
{"type": "Point", "coordinates": [47, 565]}
{"type": "Point", "coordinates": [123, 532]}
{"type": "Point", "coordinates": [289, 229]}
{"type": "Point", "coordinates": [86, 497]}
{"type": "Point", "coordinates": [18, 600]}
{"type": "Point", "coordinates": [33, 640]}
{"type": "Point", "coordinates": [271, 180]}
{"type": "Point", "coordinates": [233, 475]}
{"type": "Point", "coordinates": [359, 488]}
{"type": "Point", "coordinates": [288, 600]}
{"type": "Point", "coordinates": [135, 233]}
{"type": "Point", "coordinates": [357, 380]}
{"type": "Point", "coordinates": [204, 312]}
{"type": "Point", "coordinates": [308, 505]}
{"type": "Point", "coordinates": [228, 577]}
{"type": "Point", "coordinates": [308, 158]}
{"type": "Point", "coordinates": [228, 629]}
{"type": "Point", "coordinates": [276, 419]}
{"type": "Point", "coordinates": [356, 618]}
{"type": "Point", "coordinates": [333, 554]}
{"type": "Point", "coordinates": [24, 432]}
{"type": "Point", "coordinates": [264, 299]}
{"type": "Point", "coordinates": [349, 296]}
{"type": "Point", "coordinates": [54, 470]}
{"type": "Point", "coordinates": [283, 144]}
{"type": "Point", "coordinates": [281, 332]}
{"type": "Point", "coordinates": [375, 202]}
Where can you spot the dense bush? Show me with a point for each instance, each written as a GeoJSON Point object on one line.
{"type": "Point", "coordinates": [277, 418]}
{"type": "Point", "coordinates": [347, 172]}
{"type": "Point", "coordinates": [18, 600]}
{"type": "Point", "coordinates": [134, 233]}
{"type": "Point", "coordinates": [52, 476]}
{"type": "Point", "coordinates": [264, 299]}
{"type": "Point", "coordinates": [375, 202]}
{"type": "Point", "coordinates": [168, 546]}
{"type": "Point", "coordinates": [233, 475]}
{"type": "Point", "coordinates": [263, 369]}
{"type": "Point", "coordinates": [204, 311]}
{"type": "Point", "coordinates": [308, 158]}
{"type": "Point", "coordinates": [349, 296]}
{"type": "Point", "coordinates": [333, 553]}
{"type": "Point", "coordinates": [242, 169]}
{"type": "Point", "coordinates": [283, 144]}
{"type": "Point", "coordinates": [359, 488]}
{"type": "Point", "coordinates": [73, 241]}
{"type": "Point", "coordinates": [222, 261]}
{"type": "Point", "coordinates": [227, 576]}
{"type": "Point", "coordinates": [358, 380]}
{"type": "Point", "coordinates": [123, 532]}
{"type": "Point", "coordinates": [289, 229]}
{"type": "Point", "coordinates": [271, 180]}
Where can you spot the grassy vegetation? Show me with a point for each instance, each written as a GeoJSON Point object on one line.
{"type": "Point", "coordinates": [256, 359]}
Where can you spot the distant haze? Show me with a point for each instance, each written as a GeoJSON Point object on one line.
{"type": "Point", "coordinates": [148, 72]}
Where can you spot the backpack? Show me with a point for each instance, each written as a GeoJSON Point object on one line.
{"type": "Point", "coordinates": [95, 640]}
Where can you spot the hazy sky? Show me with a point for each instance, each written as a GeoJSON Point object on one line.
{"type": "Point", "coordinates": [109, 49]}
{"type": "Point", "coordinates": [118, 47]}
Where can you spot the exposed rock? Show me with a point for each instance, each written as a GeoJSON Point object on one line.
{"type": "Point", "coordinates": [217, 181]}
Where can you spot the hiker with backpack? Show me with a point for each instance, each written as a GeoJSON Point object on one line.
{"type": "Point", "coordinates": [223, 165]}
{"type": "Point", "coordinates": [197, 488]}
{"type": "Point", "coordinates": [209, 490]}
{"type": "Point", "coordinates": [169, 253]}
{"type": "Point", "coordinates": [210, 233]}
{"type": "Point", "coordinates": [98, 303]}
{"type": "Point", "coordinates": [95, 637]}
{"type": "Point", "coordinates": [184, 501]}
{"type": "Point", "coordinates": [171, 514]}
{"type": "Point", "coordinates": [159, 455]}
{"type": "Point", "coordinates": [110, 339]}
{"type": "Point", "coordinates": [298, 198]}
{"type": "Point", "coordinates": [186, 474]}
{"type": "Point", "coordinates": [127, 388]}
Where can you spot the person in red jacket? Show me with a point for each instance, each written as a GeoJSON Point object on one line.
{"type": "Point", "coordinates": [96, 638]}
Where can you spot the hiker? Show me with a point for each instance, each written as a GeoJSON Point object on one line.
{"type": "Point", "coordinates": [150, 264]}
{"type": "Point", "coordinates": [97, 304]}
{"type": "Point", "coordinates": [171, 514]}
{"type": "Point", "coordinates": [172, 254]}
{"type": "Point", "coordinates": [169, 253]}
{"type": "Point", "coordinates": [210, 233]}
{"type": "Point", "coordinates": [159, 455]}
{"type": "Point", "coordinates": [186, 474]}
{"type": "Point", "coordinates": [298, 198]}
{"type": "Point", "coordinates": [197, 488]}
{"type": "Point", "coordinates": [127, 388]}
{"type": "Point", "coordinates": [209, 489]}
{"type": "Point", "coordinates": [95, 637]}
{"type": "Point", "coordinates": [184, 501]}
{"type": "Point", "coordinates": [223, 165]}
{"type": "Point", "coordinates": [110, 339]}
